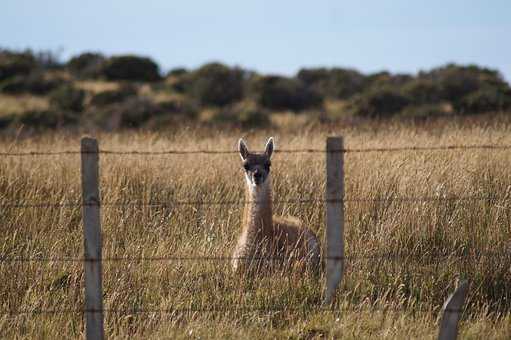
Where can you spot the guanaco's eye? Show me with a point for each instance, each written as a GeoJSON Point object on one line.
{"type": "Point", "coordinates": [246, 167]}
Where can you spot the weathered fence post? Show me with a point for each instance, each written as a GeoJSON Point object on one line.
{"type": "Point", "coordinates": [92, 240]}
{"type": "Point", "coordinates": [334, 215]}
{"type": "Point", "coordinates": [451, 312]}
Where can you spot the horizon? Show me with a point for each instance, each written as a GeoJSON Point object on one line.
{"type": "Point", "coordinates": [408, 38]}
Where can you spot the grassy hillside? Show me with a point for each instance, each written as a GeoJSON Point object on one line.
{"type": "Point", "coordinates": [91, 91]}
{"type": "Point", "coordinates": [432, 244]}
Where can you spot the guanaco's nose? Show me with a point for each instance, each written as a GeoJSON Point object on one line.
{"type": "Point", "coordinates": [258, 174]}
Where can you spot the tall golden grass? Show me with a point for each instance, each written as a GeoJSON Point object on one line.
{"type": "Point", "coordinates": [404, 257]}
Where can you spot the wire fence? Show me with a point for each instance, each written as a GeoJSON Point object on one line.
{"type": "Point", "coordinates": [220, 152]}
{"type": "Point", "coordinates": [387, 257]}
{"type": "Point", "coordinates": [172, 203]}
{"type": "Point", "coordinates": [237, 309]}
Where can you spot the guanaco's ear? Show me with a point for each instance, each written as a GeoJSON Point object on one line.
{"type": "Point", "coordinates": [242, 147]}
{"type": "Point", "coordinates": [268, 150]}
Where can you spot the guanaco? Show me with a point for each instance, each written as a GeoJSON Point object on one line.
{"type": "Point", "coordinates": [268, 241]}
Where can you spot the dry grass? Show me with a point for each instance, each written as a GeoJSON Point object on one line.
{"type": "Point", "coordinates": [380, 298]}
{"type": "Point", "coordinates": [96, 86]}
{"type": "Point", "coordinates": [10, 104]}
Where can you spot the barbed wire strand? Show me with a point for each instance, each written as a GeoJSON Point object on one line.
{"type": "Point", "coordinates": [242, 202]}
{"type": "Point", "coordinates": [390, 257]}
{"type": "Point", "coordinates": [186, 152]}
{"type": "Point", "coordinates": [224, 310]}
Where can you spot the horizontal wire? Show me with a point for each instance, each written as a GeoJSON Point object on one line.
{"type": "Point", "coordinates": [185, 152]}
{"type": "Point", "coordinates": [392, 257]}
{"type": "Point", "coordinates": [219, 310]}
{"type": "Point", "coordinates": [241, 202]}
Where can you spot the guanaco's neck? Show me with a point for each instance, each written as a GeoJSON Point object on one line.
{"type": "Point", "coordinates": [257, 218]}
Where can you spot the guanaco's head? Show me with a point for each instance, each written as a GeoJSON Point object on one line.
{"type": "Point", "coordinates": [256, 165]}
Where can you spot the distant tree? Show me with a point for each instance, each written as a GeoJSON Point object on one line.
{"type": "Point", "coordinates": [281, 93]}
{"type": "Point", "coordinates": [387, 80]}
{"type": "Point", "coordinates": [179, 71]}
{"type": "Point", "coordinates": [16, 64]}
{"type": "Point", "coordinates": [216, 84]}
{"type": "Point", "coordinates": [334, 83]}
{"type": "Point", "coordinates": [67, 98]}
{"type": "Point", "coordinates": [130, 68]}
{"type": "Point", "coordinates": [487, 99]}
{"type": "Point", "coordinates": [379, 103]}
{"type": "Point", "coordinates": [86, 65]}
{"type": "Point", "coordinates": [457, 81]}
{"type": "Point", "coordinates": [422, 91]}
{"type": "Point", "coordinates": [109, 97]}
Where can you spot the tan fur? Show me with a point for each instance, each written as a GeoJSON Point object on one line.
{"type": "Point", "coordinates": [269, 242]}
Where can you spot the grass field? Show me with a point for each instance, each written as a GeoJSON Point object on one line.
{"type": "Point", "coordinates": [433, 243]}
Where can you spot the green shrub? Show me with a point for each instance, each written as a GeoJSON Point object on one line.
{"type": "Point", "coordinates": [46, 119]}
{"type": "Point", "coordinates": [248, 115]}
{"type": "Point", "coordinates": [379, 103]}
{"type": "Point", "coordinates": [457, 81]}
{"type": "Point", "coordinates": [333, 83]}
{"type": "Point", "coordinates": [422, 91]}
{"type": "Point", "coordinates": [67, 98]}
{"type": "Point", "coordinates": [177, 72]}
{"type": "Point", "coordinates": [129, 67]}
{"type": "Point", "coordinates": [215, 84]}
{"type": "Point", "coordinates": [113, 96]}
{"type": "Point", "coordinates": [280, 93]}
{"type": "Point", "coordinates": [484, 100]}
{"type": "Point", "coordinates": [131, 113]}
{"type": "Point", "coordinates": [16, 64]}
{"type": "Point", "coordinates": [34, 83]}
{"type": "Point", "coordinates": [86, 65]}
{"type": "Point", "coordinates": [386, 80]}
{"type": "Point", "coordinates": [243, 114]}
{"type": "Point", "coordinates": [182, 107]}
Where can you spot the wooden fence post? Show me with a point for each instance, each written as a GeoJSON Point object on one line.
{"type": "Point", "coordinates": [92, 240]}
{"type": "Point", "coordinates": [334, 216]}
{"type": "Point", "coordinates": [451, 312]}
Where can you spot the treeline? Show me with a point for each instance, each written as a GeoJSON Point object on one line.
{"type": "Point", "coordinates": [141, 95]}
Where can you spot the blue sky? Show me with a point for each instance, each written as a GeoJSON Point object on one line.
{"type": "Point", "coordinates": [270, 36]}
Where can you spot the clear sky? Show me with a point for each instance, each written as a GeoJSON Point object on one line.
{"type": "Point", "coordinates": [278, 36]}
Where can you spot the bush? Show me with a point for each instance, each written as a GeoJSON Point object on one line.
{"type": "Point", "coordinates": [67, 98]}
{"type": "Point", "coordinates": [180, 83]}
{"type": "Point", "coordinates": [379, 103]}
{"type": "Point", "coordinates": [86, 65]}
{"type": "Point", "coordinates": [422, 91]}
{"type": "Point", "coordinates": [46, 119]}
{"type": "Point", "coordinates": [113, 96]}
{"type": "Point", "coordinates": [34, 83]}
{"type": "Point", "coordinates": [176, 72]}
{"type": "Point", "coordinates": [131, 68]}
{"type": "Point", "coordinates": [457, 81]}
{"type": "Point", "coordinates": [280, 93]}
{"type": "Point", "coordinates": [244, 114]}
{"type": "Point", "coordinates": [16, 64]}
{"type": "Point", "coordinates": [387, 80]}
{"type": "Point", "coordinates": [334, 83]}
{"type": "Point", "coordinates": [183, 107]}
{"type": "Point", "coordinates": [215, 84]}
{"type": "Point", "coordinates": [131, 113]}
{"type": "Point", "coordinates": [487, 99]}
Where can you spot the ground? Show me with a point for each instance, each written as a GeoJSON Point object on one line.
{"type": "Point", "coordinates": [405, 256]}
